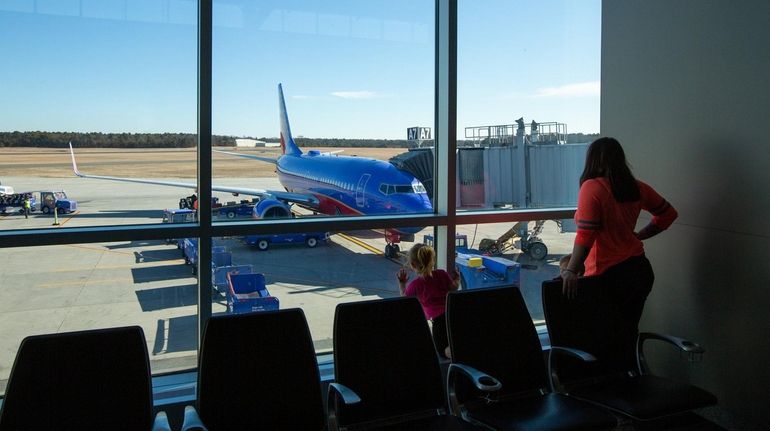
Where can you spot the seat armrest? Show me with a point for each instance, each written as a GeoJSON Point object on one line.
{"type": "Point", "coordinates": [349, 396]}
{"type": "Point", "coordinates": [684, 345]}
{"type": "Point", "coordinates": [161, 422]}
{"type": "Point", "coordinates": [336, 392]}
{"type": "Point", "coordinates": [693, 350]}
{"type": "Point", "coordinates": [568, 351]}
{"type": "Point", "coordinates": [192, 421]}
{"type": "Point", "coordinates": [481, 381]}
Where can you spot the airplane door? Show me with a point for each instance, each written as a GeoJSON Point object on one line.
{"type": "Point", "coordinates": [361, 190]}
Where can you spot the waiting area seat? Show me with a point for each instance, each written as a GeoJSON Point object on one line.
{"type": "Point", "coordinates": [492, 331]}
{"type": "Point", "coordinates": [384, 352]}
{"type": "Point", "coordinates": [621, 383]}
{"type": "Point", "coordinates": [87, 380]}
{"type": "Point", "coordinates": [257, 371]}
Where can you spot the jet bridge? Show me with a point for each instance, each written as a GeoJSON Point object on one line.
{"type": "Point", "coordinates": [418, 162]}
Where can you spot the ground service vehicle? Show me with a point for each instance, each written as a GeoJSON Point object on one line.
{"type": "Point", "coordinates": [263, 242]}
{"type": "Point", "coordinates": [16, 200]}
{"type": "Point", "coordinates": [50, 200]}
{"type": "Point", "coordinates": [219, 253]}
{"type": "Point", "coordinates": [247, 293]}
{"type": "Point", "coordinates": [219, 276]}
{"type": "Point", "coordinates": [178, 216]}
{"type": "Point", "coordinates": [479, 271]}
{"type": "Point", "coordinates": [519, 236]}
{"type": "Point", "coordinates": [230, 210]}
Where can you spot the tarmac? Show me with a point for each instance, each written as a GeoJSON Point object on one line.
{"type": "Point", "coordinates": [81, 286]}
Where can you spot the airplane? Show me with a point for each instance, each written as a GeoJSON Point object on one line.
{"type": "Point", "coordinates": [325, 183]}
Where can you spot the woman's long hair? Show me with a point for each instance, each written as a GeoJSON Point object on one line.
{"type": "Point", "coordinates": [606, 159]}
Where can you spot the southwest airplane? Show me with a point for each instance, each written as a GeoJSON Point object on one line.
{"type": "Point", "coordinates": [325, 183]}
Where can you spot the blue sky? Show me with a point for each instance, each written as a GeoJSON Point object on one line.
{"type": "Point", "coordinates": [351, 69]}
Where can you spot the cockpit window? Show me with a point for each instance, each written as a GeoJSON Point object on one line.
{"type": "Point", "coordinates": [389, 189]}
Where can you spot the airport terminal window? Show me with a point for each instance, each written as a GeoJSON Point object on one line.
{"type": "Point", "coordinates": [334, 134]}
{"type": "Point", "coordinates": [117, 81]}
{"type": "Point", "coordinates": [527, 101]}
{"type": "Point", "coordinates": [61, 288]}
{"type": "Point", "coordinates": [135, 275]}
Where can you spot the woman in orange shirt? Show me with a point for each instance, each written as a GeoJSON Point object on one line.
{"type": "Point", "coordinates": [609, 203]}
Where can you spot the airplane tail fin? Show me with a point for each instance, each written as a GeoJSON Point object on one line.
{"type": "Point", "coordinates": [287, 142]}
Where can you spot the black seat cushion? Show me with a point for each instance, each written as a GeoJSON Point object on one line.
{"type": "Point", "coordinates": [86, 380]}
{"type": "Point", "coordinates": [586, 322]}
{"type": "Point", "coordinates": [548, 412]}
{"type": "Point", "coordinates": [645, 397]}
{"type": "Point", "coordinates": [384, 352]}
{"type": "Point", "coordinates": [492, 330]}
{"type": "Point", "coordinates": [258, 371]}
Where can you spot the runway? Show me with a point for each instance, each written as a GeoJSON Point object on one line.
{"type": "Point", "coordinates": [146, 283]}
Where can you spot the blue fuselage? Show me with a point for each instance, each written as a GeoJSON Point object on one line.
{"type": "Point", "coordinates": [347, 185]}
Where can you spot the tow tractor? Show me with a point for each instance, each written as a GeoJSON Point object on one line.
{"type": "Point", "coordinates": [230, 210]}
{"type": "Point", "coordinates": [45, 201]}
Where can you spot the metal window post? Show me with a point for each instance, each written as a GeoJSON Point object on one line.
{"type": "Point", "coordinates": [445, 177]}
{"type": "Point", "coordinates": [205, 29]}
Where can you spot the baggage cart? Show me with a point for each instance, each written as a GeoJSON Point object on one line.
{"type": "Point", "coordinates": [247, 293]}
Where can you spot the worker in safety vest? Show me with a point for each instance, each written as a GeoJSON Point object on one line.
{"type": "Point", "coordinates": [26, 206]}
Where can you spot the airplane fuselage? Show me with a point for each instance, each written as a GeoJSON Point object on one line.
{"type": "Point", "coordinates": [347, 185]}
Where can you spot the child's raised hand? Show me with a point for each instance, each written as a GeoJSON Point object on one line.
{"type": "Point", "coordinates": [402, 275]}
{"type": "Point", "coordinates": [455, 274]}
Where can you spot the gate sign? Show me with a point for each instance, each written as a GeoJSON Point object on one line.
{"type": "Point", "coordinates": [417, 133]}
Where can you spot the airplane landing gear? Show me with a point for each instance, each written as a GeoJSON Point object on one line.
{"type": "Point", "coordinates": [392, 250]}
{"type": "Point", "coordinates": [392, 239]}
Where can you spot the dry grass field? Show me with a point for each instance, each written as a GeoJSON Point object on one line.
{"type": "Point", "coordinates": [149, 163]}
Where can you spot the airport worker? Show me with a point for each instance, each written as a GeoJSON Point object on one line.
{"type": "Point", "coordinates": [430, 287]}
{"type": "Point", "coordinates": [609, 202]}
{"type": "Point", "coordinates": [27, 205]}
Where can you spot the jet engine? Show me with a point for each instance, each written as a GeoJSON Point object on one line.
{"type": "Point", "coordinates": [271, 208]}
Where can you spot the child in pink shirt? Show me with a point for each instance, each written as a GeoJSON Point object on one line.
{"type": "Point", "coordinates": [430, 287]}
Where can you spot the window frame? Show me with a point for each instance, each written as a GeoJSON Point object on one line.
{"type": "Point", "coordinates": [444, 219]}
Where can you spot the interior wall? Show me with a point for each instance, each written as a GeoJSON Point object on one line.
{"type": "Point", "coordinates": [685, 90]}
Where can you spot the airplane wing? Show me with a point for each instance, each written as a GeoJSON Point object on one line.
{"type": "Point", "coordinates": [248, 156]}
{"type": "Point", "coordinates": [298, 198]}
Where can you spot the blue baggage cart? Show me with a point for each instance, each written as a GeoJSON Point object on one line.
{"type": "Point", "coordinates": [221, 258]}
{"type": "Point", "coordinates": [477, 271]}
{"type": "Point", "coordinates": [219, 275]}
{"type": "Point", "coordinates": [247, 293]}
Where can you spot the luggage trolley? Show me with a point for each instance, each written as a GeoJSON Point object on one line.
{"type": "Point", "coordinates": [247, 293]}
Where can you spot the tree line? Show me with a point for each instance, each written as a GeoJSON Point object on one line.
{"type": "Point", "coordinates": [106, 140]}
{"type": "Point", "coordinates": [189, 140]}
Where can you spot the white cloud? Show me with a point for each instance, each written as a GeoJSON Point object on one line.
{"type": "Point", "coordinates": [578, 89]}
{"type": "Point", "coordinates": [355, 94]}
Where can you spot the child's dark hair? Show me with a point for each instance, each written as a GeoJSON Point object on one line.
{"type": "Point", "coordinates": [422, 259]}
